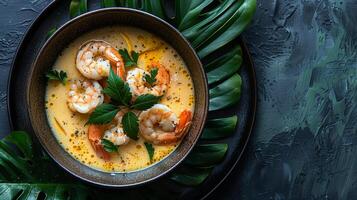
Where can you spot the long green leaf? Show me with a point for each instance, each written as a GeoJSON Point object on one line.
{"type": "Point", "coordinates": [12, 160]}
{"type": "Point", "coordinates": [191, 177]}
{"type": "Point", "coordinates": [227, 68]}
{"type": "Point", "coordinates": [225, 94]}
{"type": "Point", "coordinates": [108, 3]}
{"type": "Point", "coordinates": [206, 155]}
{"type": "Point", "coordinates": [219, 128]}
{"type": "Point", "coordinates": [77, 7]}
{"type": "Point", "coordinates": [230, 30]}
{"type": "Point", "coordinates": [195, 8]}
{"type": "Point", "coordinates": [51, 32]}
{"type": "Point", "coordinates": [154, 7]}
{"type": "Point", "coordinates": [22, 141]}
{"type": "Point", "coordinates": [197, 29]}
{"type": "Point", "coordinates": [217, 26]}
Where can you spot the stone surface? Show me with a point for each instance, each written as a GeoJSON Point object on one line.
{"type": "Point", "coordinates": [305, 136]}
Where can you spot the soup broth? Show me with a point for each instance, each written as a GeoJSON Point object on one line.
{"type": "Point", "coordinates": [70, 127]}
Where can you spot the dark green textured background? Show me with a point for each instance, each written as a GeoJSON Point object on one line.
{"type": "Point", "coordinates": [305, 136]}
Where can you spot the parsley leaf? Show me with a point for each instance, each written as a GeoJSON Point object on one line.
{"type": "Point", "coordinates": [145, 101]}
{"type": "Point", "coordinates": [117, 89]}
{"type": "Point", "coordinates": [57, 76]}
{"type": "Point", "coordinates": [103, 114]}
{"type": "Point", "coordinates": [129, 60]}
{"type": "Point", "coordinates": [131, 125]}
{"type": "Point", "coordinates": [151, 79]}
{"type": "Point", "coordinates": [109, 146]}
{"type": "Point", "coordinates": [150, 149]}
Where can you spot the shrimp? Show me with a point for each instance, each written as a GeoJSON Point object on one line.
{"type": "Point", "coordinates": [95, 133]}
{"type": "Point", "coordinates": [84, 96]}
{"type": "Point", "coordinates": [95, 57]}
{"type": "Point", "coordinates": [161, 126]}
{"type": "Point", "coordinates": [138, 86]}
{"type": "Point", "coordinates": [115, 134]}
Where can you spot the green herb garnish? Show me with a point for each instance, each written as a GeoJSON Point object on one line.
{"type": "Point", "coordinates": [103, 114]}
{"type": "Point", "coordinates": [131, 125]}
{"type": "Point", "coordinates": [57, 76]}
{"type": "Point", "coordinates": [117, 89]}
{"type": "Point", "coordinates": [129, 60]}
{"type": "Point", "coordinates": [150, 149]}
{"type": "Point", "coordinates": [151, 79]}
{"type": "Point", "coordinates": [109, 146]}
{"type": "Point", "coordinates": [145, 101]}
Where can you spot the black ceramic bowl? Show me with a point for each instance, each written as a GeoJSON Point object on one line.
{"type": "Point", "coordinates": [65, 35]}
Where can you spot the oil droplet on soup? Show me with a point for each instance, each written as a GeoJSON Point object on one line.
{"type": "Point", "coordinates": [69, 127]}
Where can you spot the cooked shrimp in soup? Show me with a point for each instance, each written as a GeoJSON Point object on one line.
{"type": "Point", "coordinates": [125, 89]}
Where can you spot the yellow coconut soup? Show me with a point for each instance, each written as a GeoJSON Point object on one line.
{"type": "Point", "coordinates": [70, 127]}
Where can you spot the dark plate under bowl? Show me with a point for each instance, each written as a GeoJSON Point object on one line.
{"type": "Point", "coordinates": [65, 35]}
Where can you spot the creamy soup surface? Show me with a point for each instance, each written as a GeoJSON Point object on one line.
{"type": "Point", "coordinates": [69, 127]}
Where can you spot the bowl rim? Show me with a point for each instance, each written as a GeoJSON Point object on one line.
{"type": "Point", "coordinates": [201, 71]}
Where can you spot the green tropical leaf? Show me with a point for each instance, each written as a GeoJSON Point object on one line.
{"type": "Point", "coordinates": [154, 7]}
{"type": "Point", "coordinates": [22, 141]}
{"type": "Point", "coordinates": [224, 66]}
{"type": "Point", "coordinates": [108, 3]}
{"type": "Point", "coordinates": [22, 173]}
{"type": "Point", "coordinates": [215, 28]}
{"type": "Point", "coordinates": [77, 7]}
{"type": "Point", "coordinates": [192, 11]}
{"type": "Point", "coordinates": [51, 32]}
{"type": "Point", "coordinates": [219, 128]}
{"type": "Point", "coordinates": [29, 191]}
{"type": "Point", "coordinates": [227, 32]}
{"type": "Point", "coordinates": [206, 19]}
{"type": "Point", "coordinates": [206, 155]}
{"type": "Point", "coordinates": [225, 94]}
{"type": "Point", "coordinates": [190, 176]}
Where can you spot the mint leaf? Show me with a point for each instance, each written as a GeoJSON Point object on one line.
{"type": "Point", "coordinates": [150, 149]}
{"type": "Point", "coordinates": [145, 101]}
{"type": "Point", "coordinates": [103, 114]}
{"type": "Point", "coordinates": [129, 60]}
{"type": "Point", "coordinates": [151, 79]}
{"type": "Point", "coordinates": [57, 76]}
{"type": "Point", "coordinates": [117, 89]}
{"type": "Point", "coordinates": [131, 125]}
{"type": "Point", "coordinates": [108, 146]}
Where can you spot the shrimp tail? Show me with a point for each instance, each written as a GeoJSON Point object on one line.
{"type": "Point", "coordinates": [95, 133]}
{"type": "Point", "coordinates": [184, 123]}
{"type": "Point", "coordinates": [116, 61]}
{"type": "Point", "coordinates": [180, 130]}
